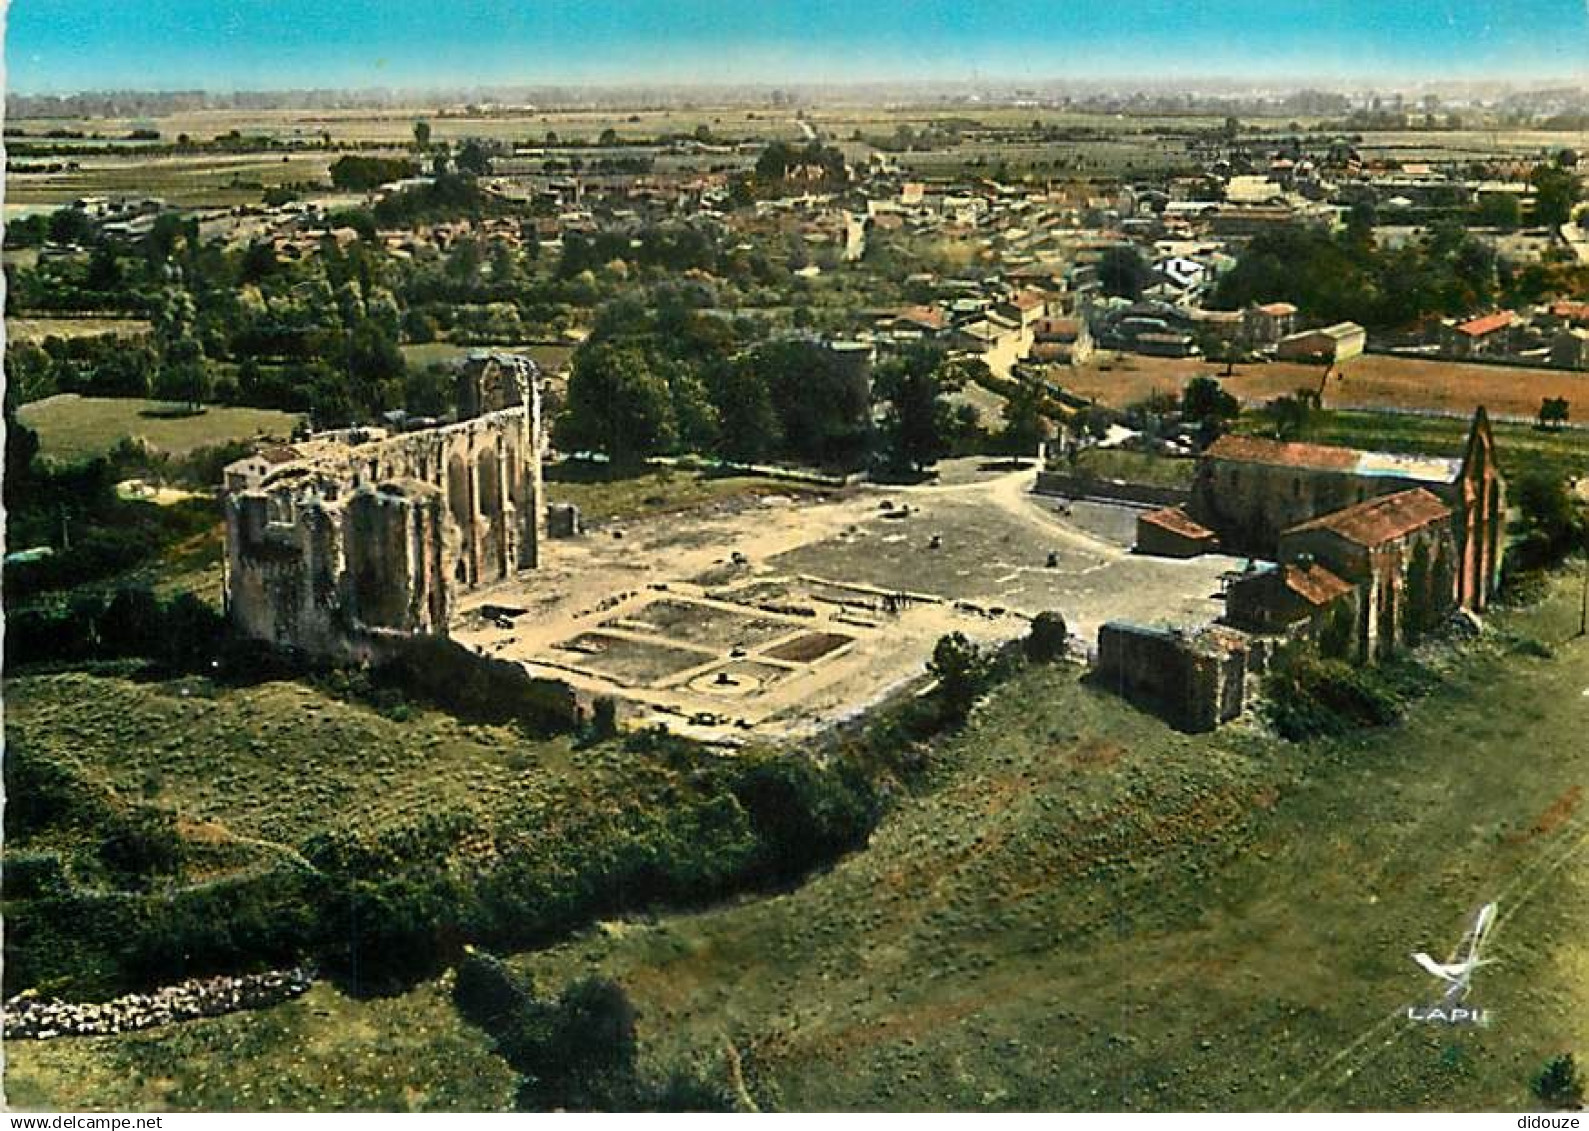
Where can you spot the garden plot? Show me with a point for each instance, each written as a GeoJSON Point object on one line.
{"type": "Point", "coordinates": [809, 647]}
{"type": "Point", "coordinates": [694, 622]}
{"type": "Point", "coordinates": [630, 659]}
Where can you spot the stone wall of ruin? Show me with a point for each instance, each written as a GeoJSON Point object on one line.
{"type": "Point", "coordinates": [1194, 682]}
{"type": "Point", "coordinates": [383, 536]}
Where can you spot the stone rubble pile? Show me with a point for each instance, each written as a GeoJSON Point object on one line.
{"type": "Point", "coordinates": [43, 1018]}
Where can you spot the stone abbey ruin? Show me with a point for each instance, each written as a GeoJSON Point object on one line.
{"type": "Point", "coordinates": [348, 539]}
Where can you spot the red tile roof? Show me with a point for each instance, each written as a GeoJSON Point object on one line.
{"type": "Point", "coordinates": [1381, 520]}
{"type": "Point", "coordinates": [1313, 583]}
{"type": "Point", "coordinates": [1277, 309]}
{"type": "Point", "coordinates": [1275, 453]}
{"type": "Point", "coordinates": [1176, 521]}
{"type": "Point", "coordinates": [1478, 327]}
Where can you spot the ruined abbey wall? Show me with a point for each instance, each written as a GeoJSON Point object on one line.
{"type": "Point", "coordinates": [345, 536]}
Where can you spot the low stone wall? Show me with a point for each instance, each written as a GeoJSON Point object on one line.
{"type": "Point", "coordinates": [1082, 487]}
{"type": "Point", "coordinates": [40, 1019]}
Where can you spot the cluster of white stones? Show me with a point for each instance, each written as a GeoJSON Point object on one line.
{"type": "Point", "coordinates": [42, 1018]}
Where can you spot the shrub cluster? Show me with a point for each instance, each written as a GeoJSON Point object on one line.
{"type": "Point", "coordinates": [576, 1052]}
{"type": "Point", "coordinates": [181, 632]}
{"type": "Point", "coordinates": [1306, 696]}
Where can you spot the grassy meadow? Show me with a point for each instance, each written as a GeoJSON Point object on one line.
{"type": "Point", "coordinates": [1090, 910]}
{"type": "Point", "coordinates": [73, 427]}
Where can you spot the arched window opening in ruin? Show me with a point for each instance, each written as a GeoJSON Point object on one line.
{"type": "Point", "coordinates": [458, 501]}
{"type": "Point", "coordinates": [488, 471]}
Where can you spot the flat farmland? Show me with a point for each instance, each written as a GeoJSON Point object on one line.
{"type": "Point", "coordinates": [1413, 145]}
{"type": "Point", "coordinates": [1110, 155]}
{"type": "Point", "coordinates": [1372, 382]}
{"type": "Point", "coordinates": [210, 180]}
{"type": "Point", "coordinates": [395, 126]}
{"type": "Point", "coordinates": [38, 329]}
{"type": "Point", "coordinates": [528, 124]}
{"type": "Point", "coordinates": [1442, 386]}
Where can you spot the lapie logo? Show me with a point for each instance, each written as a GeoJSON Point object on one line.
{"type": "Point", "coordinates": [1457, 976]}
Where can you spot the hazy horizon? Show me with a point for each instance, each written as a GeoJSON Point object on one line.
{"type": "Point", "coordinates": [75, 46]}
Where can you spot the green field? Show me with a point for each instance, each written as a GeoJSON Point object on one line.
{"type": "Point", "coordinates": [208, 181]}
{"type": "Point", "coordinates": [72, 427]}
{"type": "Point", "coordinates": [1077, 908]}
{"type": "Point", "coordinates": [1137, 467]}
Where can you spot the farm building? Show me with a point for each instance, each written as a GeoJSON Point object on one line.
{"type": "Point", "coordinates": [1172, 533]}
{"type": "Point", "coordinates": [1480, 337]}
{"type": "Point", "coordinates": [1331, 344]}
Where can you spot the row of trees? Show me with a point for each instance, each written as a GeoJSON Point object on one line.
{"type": "Point", "coordinates": [676, 379]}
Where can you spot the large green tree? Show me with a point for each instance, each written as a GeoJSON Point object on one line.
{"type": "Point", "coordinates": [821, 404]}
{"type": "Point", "coordinates": [617, 405]}
{"type": "Point", "coordinates": [919, 419]}
{"type": "Point", "coordinates": [1556, 191]}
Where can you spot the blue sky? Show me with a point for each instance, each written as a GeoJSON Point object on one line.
{"type": "Point", "coordinates": [62, 46]}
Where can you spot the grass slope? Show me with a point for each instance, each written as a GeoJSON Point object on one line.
{"type": "Point", "coordinates": [277, 761]}
{"type": "Point", "coordinates": [1092, 911]}
{"type": "Point", "coordinates": [73, 427]}
{"type": "Point", "coordinates": [322, 1052]}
